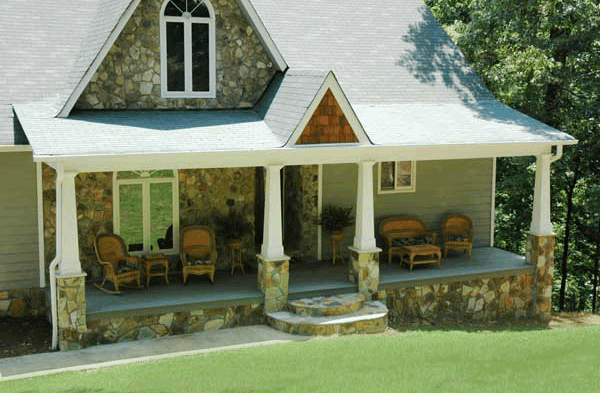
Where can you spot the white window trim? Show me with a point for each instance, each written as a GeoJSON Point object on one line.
{"type": "Point", "coordinates": [397, 190]}
{"type": "Point", "coordinates": [187, 22]}
{"type": "Point", "coordinates": [145, 182]}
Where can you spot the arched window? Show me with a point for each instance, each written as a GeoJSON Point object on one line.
{"type": "Point", "coordinates": [187, 49]}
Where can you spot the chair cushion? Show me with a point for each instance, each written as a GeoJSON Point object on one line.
{"type": "Point", "coordinates": [195, 262]}
{"type": "Point", "coordinates": [458, 238]}
{"type": "Point", "coordinates": [410, 241]}
{"type": "Point", "coordinates": [124, 267]}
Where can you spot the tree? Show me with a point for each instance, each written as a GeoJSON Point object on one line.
{"type": "Point", "coordinates": [542, 58]}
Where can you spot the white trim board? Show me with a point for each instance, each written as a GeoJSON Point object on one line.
{"type": "Point", "coordinates": [330, 83]}
{"type": "Point", "coordinates": [290, 156]}
{"type": "Point", "coordinates": [263, 35]}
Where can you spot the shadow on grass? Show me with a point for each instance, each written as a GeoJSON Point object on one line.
{"type": "Point", "coordinates": [503, 326]}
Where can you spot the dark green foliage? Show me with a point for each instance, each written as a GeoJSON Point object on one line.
{"type": "Point", "coordinates": [542, 57]}
{"type": "Point", "coordinates": [335, 218]}
{"type": "Point", "coordinates": [233, 225]}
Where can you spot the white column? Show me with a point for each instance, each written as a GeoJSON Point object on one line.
{"type": "Point", "coordinates": [272, 247]}
{"type": "Point", "coordinates": [364, 238]}
{"type": "Point", "coordinates": [67, 241]}
{"type": "Point", "coordinates": [540, 219]}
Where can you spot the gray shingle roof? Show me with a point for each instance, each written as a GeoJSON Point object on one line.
{"type": "Point", "coordinates": [128, 132]}
{"type": "Point", "coordinates": [384, 51]}
{"type": "Point", "coordinates": [46, 48]}
{"type": "Point", "coordinates": [405, 79]}
{"type": "Point", "coordinates": [286, 100]}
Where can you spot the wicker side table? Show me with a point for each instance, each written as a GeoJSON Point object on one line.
{"type": "Point", "coordinates": [156, 265]}
{"type": "Point", "coordinates": [234, 249]}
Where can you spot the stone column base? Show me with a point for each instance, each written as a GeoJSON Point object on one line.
{"type": "Point", "coordinates": [363, 270]}
{"type": "Point", "coordinates": [71, 310]}
{"type": "Point", "coordinates": [273, 279]}
{"type": "Point", "coordinates": [540, 254]}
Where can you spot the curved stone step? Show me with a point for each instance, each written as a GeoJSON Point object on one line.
{"type": "Point", "coordinates": [371, 318]}
{"type": "Point", "coordinates": [322, 306]}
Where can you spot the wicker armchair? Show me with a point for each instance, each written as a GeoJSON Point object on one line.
{"type": "Point", "coordinates": [198, 252]}
{"type": "Point", "coordinates": [118, 266]}
{"type": "Point", "coordinates": [457, 231]}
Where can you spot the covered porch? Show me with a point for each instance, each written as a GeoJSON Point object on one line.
{"type": "Point", "coordinates": [319, 278]}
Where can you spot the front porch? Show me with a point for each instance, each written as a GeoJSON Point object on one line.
{"type": "Point", "coordinates": [306, 280]}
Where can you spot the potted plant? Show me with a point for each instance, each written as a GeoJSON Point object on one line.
{"type": "Point", "coordinates": [233, 226]}
{"type": "Point", "coordinates": [334, 219]}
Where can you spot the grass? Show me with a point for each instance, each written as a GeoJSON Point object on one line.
{"type": "Point", "coordinates": [564, 360]}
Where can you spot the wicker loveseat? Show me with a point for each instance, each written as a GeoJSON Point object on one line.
{"type": "Point", "coordinates": [401, 231]}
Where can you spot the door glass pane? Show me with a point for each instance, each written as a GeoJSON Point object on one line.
{"type": "Point", "coordinates": [200, 60]}
{"type": "Point", "coordinates": [175, 57]}
{"type": "Point", "coordinates": [387, 175]}
{"type": "Point", "coordinates": [131, 216]}
{"type": "Point", "coordinates": [161, 216]}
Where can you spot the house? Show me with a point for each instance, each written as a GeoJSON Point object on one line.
{"type": "Point", "coordinates": [134, 116]}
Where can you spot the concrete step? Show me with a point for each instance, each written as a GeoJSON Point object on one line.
{"type": "Point", "coordinates": [322, 306]}
{"type": "Point", "coordinates": [370, 318]}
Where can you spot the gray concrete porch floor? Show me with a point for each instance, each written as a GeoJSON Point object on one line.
{"type": "Point", "coordinates": [306, 280]}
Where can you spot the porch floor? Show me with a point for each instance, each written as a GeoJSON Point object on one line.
{"type": "Point", "coordinates": [306, 280]}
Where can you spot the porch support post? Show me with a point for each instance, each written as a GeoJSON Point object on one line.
{"type": "Point", "coordinates": [70, 279]}
{"type": "Point", "coordinates": [541, 242]}
{"type": "Point", "coordinates": [540, 219]}
{"type": "Point", "coordinates": [364, 260]}
{"type": "Point", "coordinates": [273, 264]}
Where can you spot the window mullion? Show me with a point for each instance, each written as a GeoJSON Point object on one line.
{"type": "Point", "coordinates": [396, 175]}
{"type": "Point", "coordinates": [187, 44]}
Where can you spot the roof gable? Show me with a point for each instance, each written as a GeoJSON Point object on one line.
{"type": "Point", "coordinates": [328, 119]}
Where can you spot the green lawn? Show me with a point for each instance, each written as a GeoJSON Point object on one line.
{"type": "Point", "coordinates": [564, 360]}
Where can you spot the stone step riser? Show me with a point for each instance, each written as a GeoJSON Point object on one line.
{"type": "Point", "coordinates": [370, 318]}
{"type": "Point", "coordinates": [328, 306]}
{"type": "Point", "coordinates": [377, 325]}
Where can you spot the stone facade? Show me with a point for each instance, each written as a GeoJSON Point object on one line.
{"type": "Point", "coordinates": [301, 210]}
{"type": "Point", "coordinates": [363, 270]}
{"type": "Point", "coordinates": [202, 193]}
{"type": "Point", "coordinates": [129, 76]}
{"type": "Point", "coordinates": [71, 310]}
{"type": "Point", "coordinates": [19, 303]}
{"type": "Point", "coordinates": [116, 329]}
{"type": "Point", "coordinates": [540, 254]}
{"type": "Point", "coordinates": [273, 280]}
{"type": "Point", "coordinates": [482, 300]}
{"type": "Point", "coordinates": [328, 124]}
{"type": "Point", "coordinates": [205, 193]}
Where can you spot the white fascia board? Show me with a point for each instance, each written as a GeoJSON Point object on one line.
{"type": "Point", "coordinates": [114, 34]}
{"type": "Point", "coordinates": [15, 148]}
{"type": "Point", "coordinates": [330, 83]}
{"type": "Point", "coordinates": [263, 35]}
{"type": "Point", "coordinates": [292, 156]}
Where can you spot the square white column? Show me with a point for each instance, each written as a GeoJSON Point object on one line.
{"type": "Point", "coordinates": [272, 247]}
{"type": "Point", "coordinates": [364, 238]}
{"type": "Point", "coordinates": [67, 240]}
{"type": "Point", "coordinates": [541, 224]}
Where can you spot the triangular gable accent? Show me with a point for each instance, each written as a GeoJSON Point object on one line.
{"type": "Point", "coordinates": [247, 9]}
{"type": "Point", "coordinates": [327, 124]}
{"type": "Point", "coordinates": [329, 119]}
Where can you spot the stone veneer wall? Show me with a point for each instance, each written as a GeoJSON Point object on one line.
{"type": "Point", "coordinates": [301, 204]}
{"type": "Point", "coordinates": [129, 76]}
{"type": "Point", "coordinates": [94, 215]}
{"type": "Point", "coordinates": [204, 193]}
{"type": "Point", "coordinates": [118, 329]}
{"type": "Point", "coordinates": [481, 300]}
{"type": "Point", "coordinates": [23, 303]}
